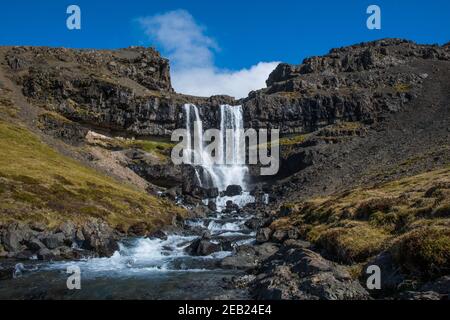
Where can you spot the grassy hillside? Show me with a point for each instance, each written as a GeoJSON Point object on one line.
{"type": "Point", "coordinates": [39, 184]}
{"type": "Point", "coordinates": [409, 217]}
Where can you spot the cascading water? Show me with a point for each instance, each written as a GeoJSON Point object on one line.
{"type": "Point", "coordinates": [167, 268]}
{"type": "Point", "coordinates": [231, 168]}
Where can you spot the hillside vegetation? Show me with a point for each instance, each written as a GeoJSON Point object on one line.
{"type": "Point", "coordinates": [37, 184]}
{"type": "Point", "coordinates": [409, 217]}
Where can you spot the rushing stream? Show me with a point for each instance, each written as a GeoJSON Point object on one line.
{"type": "Point", "coordinates": [155, 268]}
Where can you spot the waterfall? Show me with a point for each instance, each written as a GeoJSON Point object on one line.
{"type": "Point", "coordinates": [224, 174]}
{"type": "Point", "coordinates": [234, 173]}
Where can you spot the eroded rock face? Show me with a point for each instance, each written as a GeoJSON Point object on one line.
{"type": "Point", "coordinates": [23, 242]}
{"type": "Point", "coordinates": [125, 90]}
{"type": "Point", "coordinates": [355, 83]}
{"type": "Point", "coordinates": [100, 238]}
{"type": "Point", "coordinates": [298, 273]}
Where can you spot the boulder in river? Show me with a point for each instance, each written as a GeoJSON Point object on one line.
{"type": "Point", "coordinates": [159, 234]}
{"type": "Point", "coordinates": [233, 190]}
{"type": "Point", "coordinates": [212, 206]}
{"type": "Point", "coordinates": [202, 247]}
{"type": "Point", "coordinates": [211, 193]}
{"type": "Point", "coordinates": [230, 207]}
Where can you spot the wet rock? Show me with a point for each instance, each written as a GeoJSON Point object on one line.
{"type": "Point", "coordinates": [173, 193]}
{"type": "Point", "coordinates": [231, 207]}
{"type": "Point", "coordinates": [205, 234]}
{"type": "Point", "coordinates": [35, 245]}
{"type": "Point", "coordinates": [6, 272]}
{"type": "Point", "coordinates": [24, 255]}
{"type": "Point", "coordinates": [202, 247]}
{"type": "Point", "coordinates": [212, 193]}
{"type": "Point", "coordinates": [45, 254]}
{"type": "Point", "coordinates": [139, 229]}
{"type": "Point", "coordinates": [66, 253]}
{"type": "Point", "coordinates": [240, 261]}
{"type": "Point", "coordinates": [158, 235]}
{"type": "Point", "coordinates": [233, 190]}
{"type": "Point", "coordinates": [263, 235]}
{"type": "Point", "coordinates": [212, 206]}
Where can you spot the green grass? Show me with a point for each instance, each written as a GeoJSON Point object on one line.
{"type": "Point", "coordinates": [293, 140]}
{"type": "Point", "coordinates": [157, 147]}
{"type": "Point", "coordinates": [39, 184]}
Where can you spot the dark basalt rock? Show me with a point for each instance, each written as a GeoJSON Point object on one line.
{"type": "Point", "coordinates": [212, 206]}
{"type": "Point", "coordinates": [392, 277]}
{"type": "Point", "coordinates": [202, 247]}
{"type": "Point", "coordinates": [233, 190]}
{"type": "Point", "coordinates": [230, 207]}
{"type": "Point", "coordinates": [159, 234]}
{"type": "Point", "coordinates": [6, 272]}
{"type": "Point", "coordinates": [303, 98]}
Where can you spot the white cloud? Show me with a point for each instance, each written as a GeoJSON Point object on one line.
{"type": "Point", "coordinates": [191, 53]}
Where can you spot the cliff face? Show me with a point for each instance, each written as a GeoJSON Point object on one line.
{"type": "Point", "coordinates": [125, 90]}
{"type": "Point", "coordinates": [362, 114]}
{"type": "Point", "coordinates": [127, 93]}
{"type": "Point", "coordinates": [356, 83]}
{"type": "Point", "coordinates": [129, 90]}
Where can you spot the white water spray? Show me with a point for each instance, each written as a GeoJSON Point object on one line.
{"type": "Point", "coordinates": [220, 175]}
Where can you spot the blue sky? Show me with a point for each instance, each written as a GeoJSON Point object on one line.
{"type": "Point", "coordinates": [237, 35]}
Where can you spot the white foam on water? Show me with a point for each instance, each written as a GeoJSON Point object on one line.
{"type": "Point", "coordinates": [220, 175]}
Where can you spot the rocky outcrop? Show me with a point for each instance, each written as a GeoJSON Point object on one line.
{"type": "Point", "coordinates": [22, 241]}
{"type": "Point", "coordinates": [355, 83]}
{"type": "Point", "coordinates": [126, 90]}
{"type": "Point", "coordinates": [294, 273]}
